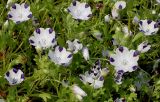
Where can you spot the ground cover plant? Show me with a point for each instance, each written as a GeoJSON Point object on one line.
{"type": "Point", "coordinates": [84, 50]}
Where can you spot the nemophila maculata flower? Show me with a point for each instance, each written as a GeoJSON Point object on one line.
{"type": "Point", "coordinates": [115, 13]}
{"type": "Point", "coordinates": [119, 5]}
{"type": "Point", "coordinates": [124, 60]}
{"type": "Point", "coordinates": [120, 100]}
{"type": "Point", "coordinates": [135, 20]}
{"type": "Point", "coordinates": [95, 76]}
{"type": "Point", "coordinates": [158, 1]}
{"type": "Point", "coordinates": [19, 13]}
{"type": "Point", "coordinates": [85, 53]}
{"type": "Point", "coordinates": [80, 11]}
{"type": "Point", "coordinates": [14, 76]}
{"type": "Point", "coordinates": [143, 47]}
{"type": "Point", "coordinates": [148, 27]}
{"type": "Point", "coordinates": [79, 93]}
{"type": "Point", "coordinates": [118, 76]}
{"type": "Point", "coordinates": [74, 46]}
{"type": "Point", "coordinates": [43, 38]}
{"type": "Point", "coordinates": [60, 56]}
{"type": "Point", "coordinates": [107, 18]}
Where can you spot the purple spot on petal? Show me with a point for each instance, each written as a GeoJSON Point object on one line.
{"type": "Point", "coordinates": [60, 49]}
{"type": "Point", "coordinates": [135, 67]}
{"type": "Point", "coordinates": [15, 70]}
{"type": "Point", "coordinates": [53, 40]}
{"type": "Point", "coordinates": [14, 6]}
{"type": "Point", "coordinates": [9, 16]}
{"type": "Point", "coordinates": [91, 71]}
{"type": "Point", "coordinates": [50, 30]}
{"type": "Point", "coordinates": [140, 22]}
{"type": "Point", "coordinates": [121, 49]}
{"type": "Point", "coordinates": [136, 53]}
{"type": "Point", "coordinates": [81, 77]}
{"type": "Point", "coordinates": [149, 21]}
{"type": "Point", "coordinates": [68, 10]}
{"type": "Point", "coordinates": [145, 46]}
{"type": "Point", "coordinates": [156, 25]}
{"type": "Point", "coordinates": [30, 16]}
{"type": "Point", "coordinates": [95, 74]}
{"type": "Point", "coordinates": [38, 31]}
{"type": "Point", "coordinates": [26, 5]}
{"type": "Point", "coordinates": [98, 68]}
{"type": "Point", "coordinates": [7, 74]}
{"type": "Point", "coordinates": [63, 64]}
{"type": "Point", "coordinates": [86, 5]}
{"type": "Point", "coordinates": [101, 78]}
{"type": "Point", "coordinates": [120, 72]}
{"type": "Point", "coordinates": [18, 22]}
{"type": "Point", "coordinates": [78, 42]}
{"type": "Point", "coordinates": [22, 76]}
{"type": "Point", "coordinates": [120, 7]}
{"type": "Point", "coordinates": [97, 62]}
{"type": "Point", "coordinates": [74, 3]}
{"type": "Point", "coordinates": [111, 59]}
{"type": "Point", "coordinates": [69, 56]}
{"type": "Point", "coordinates": [31, 41]}
{"type": "Point", "coordinates": [90, 15]}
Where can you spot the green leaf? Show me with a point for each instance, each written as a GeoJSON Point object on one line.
{"type": "Point", "coordinates": [137, 37]}
{"type": "Point", "coordinates": [45, 96]}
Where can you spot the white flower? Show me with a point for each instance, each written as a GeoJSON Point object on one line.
{"type": "Point", "coordinates": [60, 56]}
{"type": "Point", "coordinates": [143, 47]}
{"type": "Point", "coordinates": [14, 76]}
{"type": "Point", "coordinates": [135, 20]}
{"type": "Point", "coordinates": [120, 5]}
{"type": "Point", "coordinates": [126, 31]}
{"type": "Point", "coordinates": [94, 77]}
{"type": "Point", "coordinates": [2, 100]}
{"type": "Point", "coordinates": [158, 1]}
{"type": "Point", "coordinates": [118, 77]}
{"type": "Point", "coordinates": [79, 93]}
{"type": "Point", "coordinates": [80, 11]}
{"type": "Point", "coordinates": [115, 13]}
{"type": "Point", "coordinates": [107, 18]}
{"type": "Point", "coordinates": [85, 53]}
{"type": "Point", "coordinates": [19, 13]}
{"type": "Point", "coordinates": [124, 59]}
{"type": "Point", "coordinates": [148, 27]}
{"type": "Point", "coordinates": [43, 38]}
{"type": "Point", "coordinates": [74, 46]}
{"type": "Point", "coordinates": [120, 100]}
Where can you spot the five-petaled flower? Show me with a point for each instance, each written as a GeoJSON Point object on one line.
{"type": "Point", "coordinates": [43, 38]}
{"type": "Point", "coordinates": [74, 46]}
{"type": "Point", "coordinates": [124, 59]}
{"type": "Point", "coordinates": [85, 53]}
{"type": "Point", "coordinates": [60, 56]}
{"type": "Point", "coordinates": [19, 13]}
{"type": "Point", "coordinates": [79, 93]}
{"type": "Point", "coordinates": [94, 77]}
{"type": "Point", "coordinates": [14, 76]}
{"type": "Point", "coordinates": [148, 27]}
{"type": "Point", "coordinates": [80, 11]}
{"type": "Point", "coordinates": [119, 5]}
{"type": "Point", "coordinates": [143, 47]}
